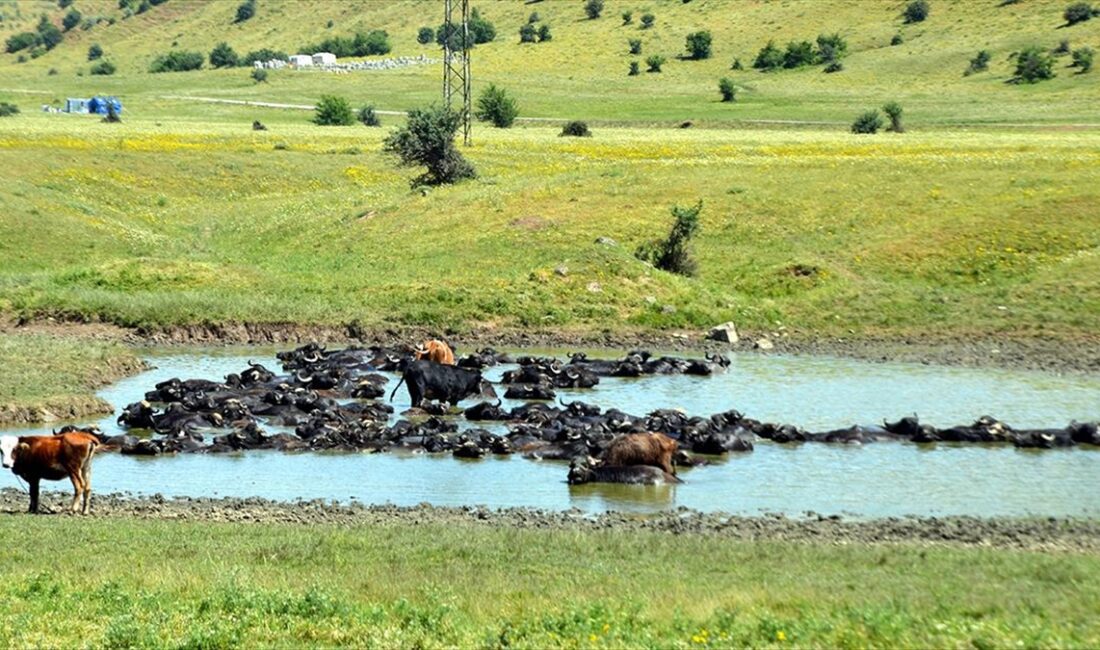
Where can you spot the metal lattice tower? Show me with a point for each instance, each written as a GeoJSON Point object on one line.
{"type": "Point", "coordinates": [456, 62]}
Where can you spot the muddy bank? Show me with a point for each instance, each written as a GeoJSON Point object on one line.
{"type": "Point", "coordinates": [1049, 354]}
{"type": "Point", "coordinates": [1060, 534]}
{"type": "Point", "coordinates": [54, 410]}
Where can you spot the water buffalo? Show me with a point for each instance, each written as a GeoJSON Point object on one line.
{"type": "Point", "coordinates": [653, 449]}
{"type": "Point", "coordinates": [429, 380]}
{"type": "Point", "coordinates": [584, 471]}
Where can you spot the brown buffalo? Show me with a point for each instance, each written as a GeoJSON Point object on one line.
{"type": "Point", "coordinates": [435, 350]}
{"type": "Point", "coordinates": [53, 458]}
{"type": "Point", "coordinates": [653, 449]}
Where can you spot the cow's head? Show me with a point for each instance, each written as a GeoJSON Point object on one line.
{"type": "Point", "coordinates": [8, 445]}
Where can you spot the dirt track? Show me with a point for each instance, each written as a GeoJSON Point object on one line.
{"type": "Point", "coordinates": [1046, 534]}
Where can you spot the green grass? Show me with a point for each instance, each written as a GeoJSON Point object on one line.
{"type": "Point", "coordinates": [57, 375]}
{"type": "Point", "coordinates": [123, 583]}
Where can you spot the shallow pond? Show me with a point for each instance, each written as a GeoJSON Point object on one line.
{"type": "Point", "coordinates": [881, 479]}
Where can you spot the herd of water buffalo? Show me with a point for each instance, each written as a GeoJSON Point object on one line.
{"type": "Point", "coordinates": [335, 400]}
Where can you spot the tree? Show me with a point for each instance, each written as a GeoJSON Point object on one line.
{"type": "Point", "coordinates": [728, 90]}
{"type": "Point", "coordinates": [263, 54]}
{"type": "Point", "coordinates": [333, 111]}
{"type": "Point", "coordinates": [425, 35]}
{"type": "Point", "coordinates": [628, 17]}
{"type": "Point", "coordinates": [71, 19]}
{"type": "Point", "coordinates": [672, 253]}
{"type": "Point", "coordinates": [494, 105]}
{"type": "Point", "coordinates": [698, 45]}
{"type": "Point", "coordinates": [893, 111]}
{"type": "Point", "coordinates": [799, 54]}
{"type": "Point", "coordinates": [22, 41]}
{"type": "Point", "coordinates": [916, 11]}
{"type": "Point", "coordinates": [654, 63]}
{"type": "Point", "coordinates": [544, 33]}
{"type": "Point", "coordinates": [1082, 59]}
{"type": "Point", "coordinates": [1078, 12]}
{"type": "Point", "coordinates": [481, 30]}
{"type": "Point", "coordinates": [528, 33]}
{"type": "Point", "coordinates": [367, 116]}
{"type": "Point", "coordinates": [428, 139]}
{"type": "Point", "coordinates": [103, 68]}
{"type": "Point", "coordinates": [980, 62]}
{"type": "Point", "coordinates": [223, 56]}
{"type": "Point", "coordinates": [869, 122]}
{"type": "Point", "coordinates": [593, 8]}
{"type": "Point", "coordinates": [245, 11]}
{"type": "Point", "coordinates": [177, 61]}
{"type": "Point", "coordinates": [1033, 65]}
{"type": "Point", "coordinates": [48, 34]}
{"type": "Point", "coordinates": [769, 58]}
{"type": "Point", "coordinates": [635, 45]}
{"type": "Point", "coordinates": [648, 20]}
{"type": "Point", "coordinates": [95, 52]}
{"type": "Point", "coordinates": [831, 47]}
{"type": "Point", "coordinates": [633, 69]}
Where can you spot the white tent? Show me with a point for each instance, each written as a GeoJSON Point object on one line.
{"type": "Point", "coordinates": [301, 60]}
{"type": "Point", "coordinates": [324, 58]}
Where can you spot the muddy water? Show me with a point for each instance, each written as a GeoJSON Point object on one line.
{"type": "Point", "coordinates": [882, 479]}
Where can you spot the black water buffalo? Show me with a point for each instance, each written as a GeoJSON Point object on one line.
{"type": "Point", "coordinates": [428, 380]}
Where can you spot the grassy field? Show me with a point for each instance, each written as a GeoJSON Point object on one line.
{"type": "Point", "coordinates": [46, 377]}
{"type": "Point", "coordinates": [122, 583]}
{"type": "Point", "coordinates": [161, 223]}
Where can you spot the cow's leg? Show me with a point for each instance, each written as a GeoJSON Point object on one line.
{"type": "Point", "coordinates": [78, 489]}
{"type": "Point", "coordinates": [32, 484]}
{"type": "Point", "coordinates": [87, 486]}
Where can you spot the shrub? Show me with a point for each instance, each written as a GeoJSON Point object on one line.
{"type": "Point", "coordinates": [635, 45]}
{"type": "Point", "coordinates": [654, 63]}
{"type": "Point", "coordinates": [142, 8]}
{"type": "Point", "coordinates": [633, 69]}
{"type": "Point", "coordinates": [245, 11]}
{"type": "Point", "coordinates": [916, 11]}
{"type": "Point", "coordinates": [263, 54]}
{"type": "Point", "coordinates": [648, 20]}
{"type": "Point", "coordinates": [893, 111]}
{"type": "Point", "coordinates": [367, 116]}
{"type": "Point", "coordinates": [8, 109]}
{"type": "Point", "coordinates": [728, 90]}
{"type": "Point", "coordinates": [769, 58]}
{"type": "Point", "coordinates": [1033, 65]}
{"type": "Point", "coordinates": [362, 44]}
{"type": "Point", "coordinates": [103, 68]}
{"type": "Point", "coordinates": [22, 41]}
{"type": "Point", "coordinates": [834, 66]}
{"type": "Point", "coordinates": [494, 105]}
{"type": "Point", "coordinates": [178, 61]}
{"type": "Point", "coordinates": [1078, 12]}
{"type": "Point", "coordinates": [71, 19]}
{"type": "Point", "coordinates": [52, 72]}
{"type": "Point", "coordinates": [259, 75]}
{"type": "Point", "coordinates": [333, 111]}
{"type": "Point", "coordinates": [1063, 48]}
{"type": "Point", "coordinates": [49, 35]}
{"type": "Point", "coordinates": [544, 33]}
{"type": "Point", "coordinates": [698, 45]}
{"type": "Point", "coordinates": [481, 30]}
{"type": "Point", "coordinates": [575, 129]}
{"type": "Point", "coordinates": [869, 122]}
{"type": "Point", "coordinates": [533, 18]}
{"type": "Point", "coordinates": [831, 47]}
{"type": "Point", "coordinates": [737, 65]}
{"type": "Point", "coordinates": [980, 62]}
{"type": "Point", "coordinates": [425, 35]}
{"type": "Point", "coordinates": [112, 114]}
{"type": "Point", "coordinates": [672, 253]}
{"type": "Point", "coordinates": [427, 139]}
{"type": "Point", "coordinates": [799, 55]}
{"type": "Point", "coordinates": [64, 4]}
{"type": "Point", "coordinates": [897, 40]}
{"type": "Point", "coordinates": [95, 52]}
{"type": "Point", "coordinates": [1082, 59]}
{"type": "Point", "coordinates": [628, 17]}
{"type": "Point", "coordinates": [223, 56]}
{"type": "Point", "coordinates": [593, 8]}
{"type": "Point", "coordinates": [528, 34]}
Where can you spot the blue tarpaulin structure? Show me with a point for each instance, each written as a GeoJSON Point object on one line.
{"type": "Point", "coordinates": [99, 105]}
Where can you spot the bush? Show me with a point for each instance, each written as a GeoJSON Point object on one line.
{"type": "Point", "coordinates": [8, 109]}
{"type": "Point", "coordinates": [869, 122]}
{"type": "Point", "coordinates": [648, 20]}
{"type": "Point", "coordinates": [835, 66]}
{"type": "Point", "coordinates": [64, 4]}
{"type": "Point", "coordinates": [916, 11]}
{"type": "Point", "coordinates": [112, 115]}
{"type": "Point", "coordinates": [263, 54]}
{"type": "Point", "coordinates": [223, 56]}
{"type": "Point", "coordinates": [1033, 65]}
{"type": "Point", "coordinates": [737, 65]}
{"type": "Point", "coordinates": [672, 253]}
{"type": "Point", "coordinates": [333, 111]}
{"type": "Point", "coordinates": [481, 30]}
{"type": "Point", "coordinates": [425, 35]}
{"type": "Point", "coordinates": [628, 17]}
{"type": "Point", "coordinates": [575, 129]}
{"type": "Point", "coordinates": [728, 90]}
{"type": "Point", "coordinates": [528, 34]}
{"type": "Point", "coordinates": [95, 52]}
{"type": "Point", "coordinates": [1063, 48]}
{"type": "Point", "coordinates": [362, 44]}
{"type": "Point", "coordinates": [259, 75]}
{"type": "Point", "coordinates": [245, 11]}
{"type": "Point", "coordinates": [980, 62]}
{"type": "Point", "coordinates": [104, 68]}
{"type": "Point", "coordinates": [494, 105]}
{"type": "Point", "coordinates": [897, 40]}
{"type": "Point", "coordinates": [49, 35]}
{"type": "Point", "coordinates": [1082, 59]}
{"type": "Point", "coordinates": [1078, 12]}
{"type": "Point", "coordinates": [367, 116]}
{"type": "Point", "coordinates": [654, 62]}
{"type": "Point", "coordinates": [893, 111]}
{"type": "Point", "coordinates": [533, 18]}
{"type": "Point", "coordinates": [769, 58]}
{"type": "Point", "coordinates": [635, 45]}
{"type": "Point", "coordinates": [52, 72]}
{"type": "Point", "coordinates": [71, 19]}
{"type": "Point", "coordinates": [831, 47]}
{"type": "Point", "coordinates": [593, 8]}
{"type": "Point", "coordinates": [428, 139]}
{"type": "Point", "coordinates": [22, 41]}
{"type": "Point", "coordinates": [799, 55]}
{"type": "Point", "coordinates": [633, 69]}
{"type": "Point", "coordinates": [544, 33]}
{"type": "Point", "coordinates": [178, 61]}
{"type": "Point", "coordinates": [698, 45]}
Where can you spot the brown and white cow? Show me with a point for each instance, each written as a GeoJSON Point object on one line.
{"type": "Point", "coordinates": [435, 350]}
{"type": "Point", "coordinates": [53, 458]}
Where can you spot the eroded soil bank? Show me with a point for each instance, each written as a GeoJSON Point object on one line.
{"type": "Point", "coordinates": [1048, 534]}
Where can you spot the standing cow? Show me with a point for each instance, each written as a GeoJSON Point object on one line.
{"type": "Point", "coordinates": [428, 380]}
{"type": "Point", "coordinates": [53, 458]}
{"type": "Point", "coordinates": [435, 350]}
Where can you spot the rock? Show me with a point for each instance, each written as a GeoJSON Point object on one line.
{"type": "Point", "coordinates": [726, 333]}
{"type": "Point", "coordinates": [651, 300]}
{"type": "Point", "coordinates": [594, 287]}
{"type": "Point", "coordinates": [606, 241]}
{"type": "Point", "coordinates": [562, 271]}
{"type": "Point", "coordinates": [668, 309]}
{"type": "Point", "coordinates": [763, 344]}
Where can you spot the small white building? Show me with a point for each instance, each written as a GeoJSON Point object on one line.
{"type": "Point", "coordinates": [301, 60]}
{"type": "Point", "coordinates": [324, 58]}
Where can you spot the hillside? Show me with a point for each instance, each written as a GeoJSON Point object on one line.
{"type": "Point", "coordinates": [582, 71]}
